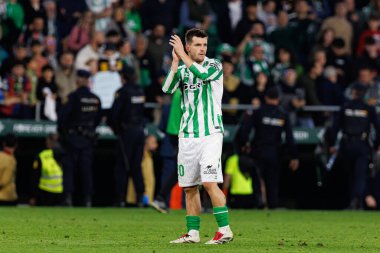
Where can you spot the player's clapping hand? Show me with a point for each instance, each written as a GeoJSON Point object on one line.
{"type": "Point", "coordinates": [176, 43]}
{"type": "Point", "coordinates": [176, 58]}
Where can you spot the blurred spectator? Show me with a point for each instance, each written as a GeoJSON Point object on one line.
{"type": "Point", "coordinates": [80, 34]}
{"type": "Point", "coordinates": [65, 76]}
{"type": "Point", "coordinates": [321, 8]}
{"type": "Point", "coordinates": [265, 12]}
{"type": "Point", "coordinates": [128, 58]}
{"type": "Point", "coordinates": [195, 13]}
{"type": "Point", "coordinates": [252, 65]}
{"type": "Point", "coordinates": [47, 93]}
{"type": "Point", "coordinates": [91, 51]}
{"type": "Point", "coordinates": [119, 24]}
{"type": "Point", "coordinates": [366, 78]}
{"type": "Point", "coordinates": [31, 74]}
{"type": "Point", "coordinates": [233, 93]}
{"type": "Point", "coordinates": [305, 29]}
{"type": "Point", "coordinates": [36, 52]}
{"type": "Point", "coordinates": [258, 91]}
{"type": "Point", "coordinates": [308, 81]}
{"type": "Point", "coordinates": [35, 31]}
{"type": "Point", "coordinates": [330, 92]}
{"type": "Point", "coordinates": [69, 12]}
{"type": "Point", "coordinates": [283, 34]}
{"type": "Point", "coordinates": [371, 31]}
{"type": "Point", "coordinates": [19, 55]}
{"type": "Point", "coordinates": [245, 24]}
{"type": "Point", "coordinates": [158, 46]}
{"type": "Point", "coordinates": [114, 37]}
{"type": "Point", "coordinates": [372, 7]}
{"type": "Point", "coordinates": [145, 60]}
{"type": "Point", "coordinates": [51, 25]}
{"type": "Point", "coordinates": [225, 50]}
{"type": "Point", "coordinates": [319, 56]}
{"type": "Point", "coordinates": [256, 36]}
{"type": "Point", "coordinates": [33, 9]}
{"type": "Point", "coordinates": [8, 194]}
{"type": "Point", "coordinates": [229, 14]}
{"type": "Point", "coordinates": [132, 16]}
{"type": "Point", "coordinates": [47, 176]}
{"type": "Point", "coordinates": [11, 23]}
{"type": "Point", "coordinates": [341, 26]}
{"type": "Point", "coordinates": [292, 95]}
{"type": "Point", "coordinates": [285, 60]}
{"type": "Point", "coordinates": [326, 39]}
{"type": "Point", "coordinates": [51, 51]}
{"type": "Point", "coordinates": [156, 12]}
{"type": "Point", "coordinates": [16, 88]}
{"type": "Point", "coordinates": [340, 59]}
{"type": "Point", "coordinates": [370, 56]}
{"type": "Point", "coordinates": [102, 12]}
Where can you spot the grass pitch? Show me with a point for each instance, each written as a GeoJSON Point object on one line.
{"type": "Point", "coordinates": [135, 230]}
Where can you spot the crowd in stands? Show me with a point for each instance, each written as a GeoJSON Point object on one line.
{"type": "Point", "coordinates": [313, 51]}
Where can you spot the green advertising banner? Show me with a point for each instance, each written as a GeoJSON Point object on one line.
{"type": "Point", "coordinates": [40, 129]}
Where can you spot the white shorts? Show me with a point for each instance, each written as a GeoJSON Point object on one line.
{"type": "Point", "coordinates": [199, 160]}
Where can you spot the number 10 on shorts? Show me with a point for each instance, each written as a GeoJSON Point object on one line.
{"type": "Point", "coordinates": [181, 170]}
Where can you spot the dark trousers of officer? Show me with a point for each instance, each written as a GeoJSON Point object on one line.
{"type": "Point", "coordinates": [268, 169]}
{"type": "Point", "coordinates": [169, 174]}
{"type": "Point", "coordinates": [78, 164]}
{"type": "Point", "coordinates": [237, 201]}
{"type": "Point", "coordinates": [45, 198]}
{"type": "Point", "coordinates": [131, 149]}
{"type": "Point", "coordinates": [355, 154]}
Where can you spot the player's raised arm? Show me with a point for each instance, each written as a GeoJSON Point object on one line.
{"type": "Point", "coordinates": [172, 78]}
{"type": "Point", "coordinates": [212, 72]}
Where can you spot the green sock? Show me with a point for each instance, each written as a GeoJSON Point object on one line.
{"type": "Point", "coordinates": [193, 222]}
{"type": "Point", "coordinates": [221, 216]}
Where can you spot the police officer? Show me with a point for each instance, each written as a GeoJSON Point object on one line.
{"type": "Point", "coordinates": [269, 122]}
{"type": "Point", "coordinates": [127, 121]}
{"type": "Point", "coordinates": [77, 121]}
{"type": "Point", "coordinates": [355, 119]}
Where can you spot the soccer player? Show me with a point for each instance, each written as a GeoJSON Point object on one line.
{"type": "Point", "coordinates": [201, 131]}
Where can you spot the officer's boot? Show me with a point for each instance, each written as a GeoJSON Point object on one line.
{"type": "Point", "coordinates": [87, 201]}
{"type": "Point", "coordinates": [68, 201]}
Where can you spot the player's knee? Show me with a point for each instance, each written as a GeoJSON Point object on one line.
{"type": "Point", "coordinates": [210, 187]}
{"type": "Point", "coordinates": [191, 190]}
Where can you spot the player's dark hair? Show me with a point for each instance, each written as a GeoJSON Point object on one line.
{"type": "Point", "coordinates": [194, 32]}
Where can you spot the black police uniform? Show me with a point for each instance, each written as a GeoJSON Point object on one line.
{"type": "Point", "coordinates": [269, 122]}
{"type": "Point", "coordinates": [127, 121]}
{"type": "Point", "coordinates": [355, 119]}
{"type": "Point", "coordinates": [77, 121]}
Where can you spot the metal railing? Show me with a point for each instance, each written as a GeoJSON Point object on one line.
{"type": "Point", "coordinates": [307, 108]}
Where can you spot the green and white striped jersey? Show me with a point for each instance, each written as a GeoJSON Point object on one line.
{"type": "Point", "coordinates": [201, 105]}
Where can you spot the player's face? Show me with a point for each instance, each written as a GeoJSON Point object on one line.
{"type": "Point", "coordinates": [197, 49]}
